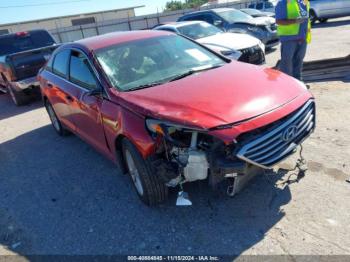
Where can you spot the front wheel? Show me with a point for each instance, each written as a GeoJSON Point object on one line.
{"type": "Point", "coordinates": [313, 17]}
{"type": "Point", "coordinates": [323, 20]}
{"type": "Point", "coordinates": [147, 184]}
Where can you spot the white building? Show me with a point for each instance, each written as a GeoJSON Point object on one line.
{"type": "Point", "coordinates": [55, 23]}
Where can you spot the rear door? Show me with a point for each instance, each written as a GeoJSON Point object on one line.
{"type": "Point", "coordinates": [59, 91]}
{"type": "Point", "coordinates": [87, 107]}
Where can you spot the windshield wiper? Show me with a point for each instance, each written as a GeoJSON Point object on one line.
{"type": "Point", "coordinates": [192, 71]}
{"type": "Point", "coordinates": [144, 86]}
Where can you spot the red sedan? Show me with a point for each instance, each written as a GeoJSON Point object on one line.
{"type": "Point", "coordinates": [169, 111]}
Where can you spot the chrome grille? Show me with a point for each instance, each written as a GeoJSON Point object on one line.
{"type": "Point", "coordinates": [275, 144]}
{"type": "Point", "coordinates": [273, 27]}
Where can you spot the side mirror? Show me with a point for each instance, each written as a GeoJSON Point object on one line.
{"type": "Point", "coordinates": [218, 22]}
{"type": "Point", "coordinates": [95, 92]}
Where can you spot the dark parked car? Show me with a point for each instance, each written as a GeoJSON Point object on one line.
{"type": "Point", "coordinates": [236, 21]}
{"type": "Point", "coordinates": [170, 111]}
{"type": "Point", "coordinates": [21, 56]}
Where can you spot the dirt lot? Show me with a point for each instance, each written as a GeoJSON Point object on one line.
{"type": "Point", "coordinates": [58, 196]}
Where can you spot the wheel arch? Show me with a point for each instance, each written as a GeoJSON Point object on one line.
{"type": "Point", "coordinates": [118, 143]}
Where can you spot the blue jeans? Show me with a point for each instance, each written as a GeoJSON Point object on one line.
{"type": "Point", "coordinates": [292, 56]}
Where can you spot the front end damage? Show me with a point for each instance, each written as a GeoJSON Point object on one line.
{"type": "Point", "coordinates": [186, 155]}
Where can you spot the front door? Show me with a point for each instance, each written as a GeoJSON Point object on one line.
{"type": "Point", "coordinates": [87, 112]}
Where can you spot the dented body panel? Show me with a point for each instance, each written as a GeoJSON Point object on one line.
{"type": "Point", "coordinates": [193, 120]}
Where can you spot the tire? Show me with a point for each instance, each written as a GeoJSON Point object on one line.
{"type": "Point", "coordinates": [56, 123]}
{"type": "Point", "coordinates": [323, 20]}
{"type": "Point", "coordinates": [18, 98]}
{"type": "Point", "coordinates": [313, 17]}
{"type": "Point", "coordinates": [147, 185]}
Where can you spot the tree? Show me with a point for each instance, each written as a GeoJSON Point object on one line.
{"type": "Point", "coordinates": [178, 5]}
{"type": "Point", "coordinates": [173, 5]}
{"type": "Point", "coordinates": [195, 3]}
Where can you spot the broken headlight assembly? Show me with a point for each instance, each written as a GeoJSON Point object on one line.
{"type": "Point", "coordinates": [178, 134]}
{"type": "Point", "coordinates": [184, 146]}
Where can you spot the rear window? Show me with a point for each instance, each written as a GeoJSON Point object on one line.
{"type": "Point", "coordinates": [13, 43]}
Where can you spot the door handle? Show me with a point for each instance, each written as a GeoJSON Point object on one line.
{"type": "Point", "coordinates": [69, 98]}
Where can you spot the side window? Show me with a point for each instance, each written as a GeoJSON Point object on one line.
{"type": "Point", "coordinates": [80, 72]}
{"type": "Point", "coordinates": [260, 6]}
{"type": "Point", "coordinates": [251, 6]}
{"type": "Point", "coordinates": [60, 63]}
{"type": "Point", "coordinates": [208, 18]}
{"type": "Point", "coordinates": [189, 18]}
{"type": "Point", "coordinates": [49, 64]}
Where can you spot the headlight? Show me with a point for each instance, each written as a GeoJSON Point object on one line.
{"type": "Point", "coordinates": [226, 52]}
{"type": "Point", "coordinates": [252, 28]}
{"type": "Point", "coordinates": [166, 128]}
{"type": "Point", "coordinates": [262, 46]}
{"type": "Point", "coordinates": [232, 54]}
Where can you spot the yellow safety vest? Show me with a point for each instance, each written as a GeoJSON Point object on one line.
{"type": "Point", "coordinates": [293, 12]}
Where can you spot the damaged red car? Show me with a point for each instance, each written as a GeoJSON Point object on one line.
{"type": "Point", "coordinates": [169, 111]}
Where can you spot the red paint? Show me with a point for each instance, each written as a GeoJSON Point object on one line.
{"type": "Point", "coordinates": [232, 93]}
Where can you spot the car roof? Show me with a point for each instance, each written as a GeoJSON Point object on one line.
{"type": "Point", "coordinates": [215, 10]}
{"type": "Point", "coordinates": [106, 40]}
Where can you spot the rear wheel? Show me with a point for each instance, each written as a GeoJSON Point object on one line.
{"type": "Point", "coordinates": [18, 98]}
{"type": "Point", "coordinates": [313, 17]}
{"type": "Point", "coordinates": [56, 123]}
{"type": "Point", "coordinates": [147, 185]}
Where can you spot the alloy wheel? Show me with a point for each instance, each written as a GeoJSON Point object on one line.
{"type": "Point", "coordinates": [134, 173]}
{"type": "Point", "coordinates": [53, 118]}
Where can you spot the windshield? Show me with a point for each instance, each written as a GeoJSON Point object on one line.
{"type": "Point", "coordinates": [251, 11]}
{"type": "Point", "coordinates": [199, 30]}
{"type": "Point", "coordinates": [152, 61]}
{"type": "Point", "coordinates": [14, 43]}
{"type": "Point", "coordinates": [233, 16]}
{"type": "Point", "coordinates": [269, 5]}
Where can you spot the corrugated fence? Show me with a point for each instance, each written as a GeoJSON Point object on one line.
{"type": "Point", "coordinates": [73, 33]}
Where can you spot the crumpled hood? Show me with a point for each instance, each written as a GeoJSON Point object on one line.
{"type": "Point", "coordinates": [265, 20]}
{"type": "Point", "coordinates": [230, 40]}
{"type": "Point", "coordinates": [260, 21]}
{"type": "Point", "coordinates": [231, 93]}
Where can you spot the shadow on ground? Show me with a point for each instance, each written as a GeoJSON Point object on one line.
{"type": "Point", "coordinates": [58, 196]}
{"type": "Point", "coordinates": [9, 109]}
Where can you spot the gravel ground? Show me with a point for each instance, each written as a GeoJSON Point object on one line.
{"type": "Point", "coordinates": [58, 196]}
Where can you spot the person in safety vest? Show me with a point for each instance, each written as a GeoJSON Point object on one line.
{"type": "Point", "coordinates": [294, 30]}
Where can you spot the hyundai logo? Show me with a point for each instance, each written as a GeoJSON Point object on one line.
{"type": "Point", "coordinates": [289, 133]}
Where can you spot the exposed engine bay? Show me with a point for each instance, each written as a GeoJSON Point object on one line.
{"type": "Point", "coordinates": [185, 155]}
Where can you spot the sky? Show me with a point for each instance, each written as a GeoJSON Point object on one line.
{"type": "Point", "coordinates": [23, 10]}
